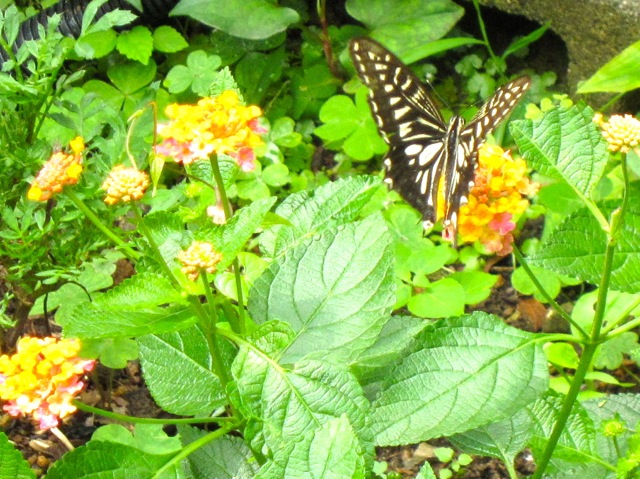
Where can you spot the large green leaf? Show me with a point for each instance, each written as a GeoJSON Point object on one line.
{"type": "Point", "coordinates": [503, 439]}
{"type": "Point", "coordinates": [564, 145]}
{"type": "Point", "coordinates": [619, 75]}
{"type": "Point", "coordinates": [167, 359]}
{"type": "Point", "coordinates": [330, 452]}
{"type": "Point", "coordinates": [405, 26]}
{"type": "Point", "coordinates": [463, 373]}
{"type": "Point", "coordinates": [89, 321]}
{"type": "Point", "coordinates": [288, 402]}
{"type": "Point", "coordinates": [227, 457]}
{"type": "Point", "coordinates": [335, 290]}
{"type": "Point", "coordinates": [252, 19]}
{"type": "Point", "coordinates": [577, 248]}
{"type": "Point", "coordinates": [576, 447]}
{"type": "Point", "coordinates": [311, 212]}
{"type": "Point", "coordinates": [397, 334]}
{"type": "Point", "coordinates": [107, 460]}
{"type": "Point", "coordinates": [624, 407]}
{"type": "Point", "coordinates": [13, 464]}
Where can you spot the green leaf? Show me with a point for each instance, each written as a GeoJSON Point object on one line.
{"type": "Point", "coordinates": [283, 133]}
{"type": "Point", "coordinates": [330, 452]}
{"type": "Point", "coordinates": [252, 19]}
{"type": "Point", "coordinates": [276, 175]}
{"type": "Point", "coordinates": [224, 458]}
{"type": "Point", "coordinates": [152, 439]}
{"type": "Point", "coordinates": [89, 321]}
{"type": "Point", "coordinates": [344, 120]}
{"type": "Point", "coordinates": [199, 73]}
{"type": "Point", "coordinates": [562, 354]}
{"type": "Point", "coordinates": [140, 291]}
{"type": "Point", "coordinates": [303, 397]}
{"type": "Point", "coordinates": [477, 285]}
{"type": "Point", "coordinates": [330, 205]}
{"type": "Point", "coordinates": [255, 72]}
{"type": "Point", "coordinates": [463, 373]}
{"type": "Point", "coordinates": [335, 290]}
{"type": "Point", "coordinates": [619, 75]}
{"type": "Point", "coordinates": [167, 359]}
{"type": "Point", "coordinates": [405, 25]}
{"type": "Point", "coordinates": [426, 472]}
{"type": "Point", "coordinates": [131, 77]}
{"type": "Point", "coordinates": [525, 41]}
{"type": "Point", "coordinates": [230, 238]}
{"type": "Point", "coordinates": [13, 464]}
{"type": "Point", "coordinates": [437, 46]}
{"type": "Point", "coordinates": [100, 459]}
{"type": "Point", "coordinates": [548, 279]}
{"type": "Point", "coordinates": [136, 44]}
{"type": "Point", "coordinates": [619, 306]}
{"type": "Point", "coordinates": [441, 299]}
{"type": "Point", "coordinates": [396, 335]}
{"type": "Point", "coordinates": [114, 433]}
{"type": "Point", "coordinates": [576, 445]}
{"type": "Point", "coordinates": [113, 353]}
{"type": "Point", "coordinates": [626, 407]}
{"type": "Point", "coordinates": [168, 40]}
{"type": "Point", "coordinates": [96, 45]}
{"type": "Point", "coordinates": [504, 439]}
{"type": "Point", "coordinates": [577, 247]}
{"type": "Point", "coordinates": [611, 353]}
{"type": "Point", "coordinates": [564, 145]}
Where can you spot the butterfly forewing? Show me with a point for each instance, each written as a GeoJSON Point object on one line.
{"type": "Point", "coordinates": [422, 146]}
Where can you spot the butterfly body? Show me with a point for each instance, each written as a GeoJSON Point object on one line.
{"type": "Point", "coordinates": [422, 147]}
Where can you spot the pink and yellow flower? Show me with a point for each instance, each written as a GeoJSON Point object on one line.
{"type": "Point", "coordinates": [61, 170]}
{"type": "Point", "coordinates": [499, 195]}
{"type": "Point", "coordinates": [219, 125]}
{"type": "Point", "coordinates": [42, 378]}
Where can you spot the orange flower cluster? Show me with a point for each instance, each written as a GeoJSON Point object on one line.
{"type": "Point", "coordinates": [42, 378]}
{"type": "Point", "coordinates": [621, 132]}
{"type": "Point", "coordinates": [200, 256]}
{"type": "Point", "coordinates": [498, 195]}
{"type": "Point", "coordinates": [124, 185]}
{"type": "Point", "coordinates": [60, 170]}
{"type": "Point", "coordinates": [218, 125]}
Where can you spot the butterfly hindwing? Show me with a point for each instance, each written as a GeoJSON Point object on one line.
{"type": "Point", "coordinates": [422, 147]}
{"type": "Point", "coordinates": [410, 122]}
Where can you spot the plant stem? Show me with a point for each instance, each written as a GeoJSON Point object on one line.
{"type": "Point", "coordinates": [483, 30]}
{"type": "Point", "coordinates": [556, 307]}
{"type": "Point", "coordinates": [195, 445]}
{"type": "Point", "coordinates": [226, 206]}
{"type": "Point", "coordinates": [148, 420]}
{"type": "Point", "coordinates": [208, 323]}
{"type": "Point", "coordinates": [131, 254]}
{"type": "Point", "coordinates": [584, 365]}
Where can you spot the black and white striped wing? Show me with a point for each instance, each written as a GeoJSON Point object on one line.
{"type": "Point", "coordinates": [422, 146]}
{"type": "Point", "coordinates": [410, 122]}
{"type": "Point", "coordinates": [459, 178]}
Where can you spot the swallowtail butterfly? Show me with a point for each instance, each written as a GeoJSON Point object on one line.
{"type": "Point", "coordinates": [422, 146]}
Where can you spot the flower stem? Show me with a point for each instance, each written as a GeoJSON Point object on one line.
{"type": "Point", "coordinates": [131, 254]}
{"type": "Point", "coordinates": [556, 307]}
{"type": "Point", "coordinates": [148, 420]}
{"type": "Point", "coordinates": [63, 439]}
{"type": "Point", "coordinates": [226, 206]}
{"type": "Point", "coordinates": [195, 445]}
{"type": "Point", "coordinates": [584, 366]}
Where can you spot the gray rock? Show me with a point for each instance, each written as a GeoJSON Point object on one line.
{"type": "Point", "coordinates": [594, 31]}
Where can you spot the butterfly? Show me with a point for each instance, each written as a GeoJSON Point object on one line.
{"type": "Point", "coordinates": [422, 146]}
